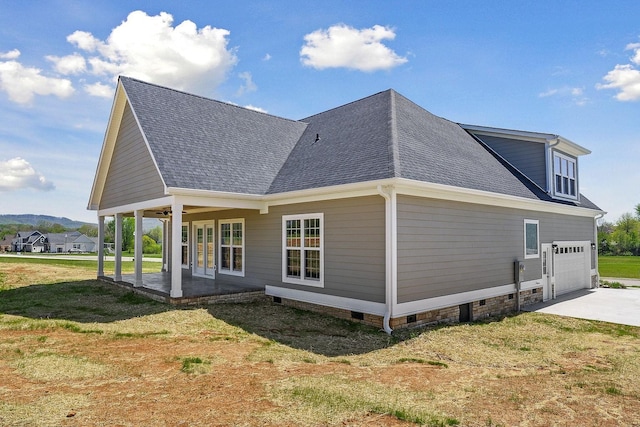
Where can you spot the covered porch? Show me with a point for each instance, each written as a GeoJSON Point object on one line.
{"type": "Point", "coordinates": [195, 290]}
{"type": "Point", "coordinates": [189, 263]}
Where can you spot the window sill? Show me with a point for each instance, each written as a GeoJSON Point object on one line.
{"type": "Point", "coordinates": [312, 283]}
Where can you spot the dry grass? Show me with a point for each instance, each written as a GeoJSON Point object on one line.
{"type": "Point", "coordinates": [74, 351]}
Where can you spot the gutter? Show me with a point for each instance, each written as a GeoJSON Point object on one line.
{"type": "Point", "coordinates": [391, 257]}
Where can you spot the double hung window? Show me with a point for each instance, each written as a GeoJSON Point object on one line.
{"type": "Point", "coordinates": [565, 176]}
{"type": "Point", "coordinates": [231, 247]}
{"type": "Point", "coordinates": [302, 252]}
{"type": "Point", "coordinates": [185, 245]}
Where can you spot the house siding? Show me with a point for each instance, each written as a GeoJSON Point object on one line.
{"type": "Point", "coordinates": [451, 247]}
{"type": "Point", "coordinates": [132, 176]}
{"type": "Point", "coordinates": [354, 246]}
{"type": "Point", "coordinates": [528, 157]}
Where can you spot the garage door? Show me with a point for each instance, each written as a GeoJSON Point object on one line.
{"type": "Point", "coordinates": [572, 262]}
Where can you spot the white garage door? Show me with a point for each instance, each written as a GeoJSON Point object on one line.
{"type": "Point", "coordinates": [572, 266]}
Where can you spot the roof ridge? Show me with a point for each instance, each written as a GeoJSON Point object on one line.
{"type": "Point", "coordinates": [348, 103]}
{"type": "Point", "coordinates": [393, 137]}
{"type": "Point", "coordinates": [182, 92]}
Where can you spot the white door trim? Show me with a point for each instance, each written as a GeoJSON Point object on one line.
{"type": "Point", "coordinates": [547, 272]}
{"type": "Point", "coordinates": [201, 268]}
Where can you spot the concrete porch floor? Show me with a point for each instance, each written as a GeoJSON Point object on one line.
{"type": "Point", "coordinates": [195, 290]}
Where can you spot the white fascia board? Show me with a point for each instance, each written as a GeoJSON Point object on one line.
{"type": "Point", "coordinates": [227, 199]}
{"type": "Point", "coordinates": [370, 188]}
{"type": "Point", "coordinates": [108, 146]}
{"type": "Point", "coordinates": [570, 147]}
{"type": "Point", "coordinates": [218, 199]}
{"type": "Point", "coordinates": [344, 191]}
{"type": "Point", "coordinates": [132, 207]}
{"type": "Point", "coordinates": [466, 195]}
{"type": "Point", "coordinates": [518, 134]}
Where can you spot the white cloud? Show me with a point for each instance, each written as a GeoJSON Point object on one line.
{"type": "Point", "coordinates": [84, 40]}
{"type": "Point", "coordinates": [12, 54]}
{"type": "Point", "coordinates": [70, 64]}
{"type": "Point", "coordinates": [576, 94]}
{"type": "Point", "coordinates": [625, 78]}
{"type": "Point", "coordinates": [251, 107]}
{"type": "Point", "coordinates": [17, 174]}
{"type": "Point", "coordinates": [248, 86]}
{"type": "Point", "coordinates": [23, 83]}
{"type": "Point", "coordinates": [549, 92]}
{"type": "Point", "coordinates": [99, 89]}
{"type": "Point", "coordinates": [636, 55]}
{"type": "Point", "coordinates": [344, 46]}
{"type": "Point", "coordinates": [146, 47]}
{"type": "Point", "coordinates": [266, 57]}
{"type": "Point", "coordinates": [151, 49]}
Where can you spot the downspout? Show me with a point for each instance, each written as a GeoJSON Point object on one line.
{"type": "Point", "coordinates": [595, 239]}
{"type": "Point", "coordinates": [389, 195]}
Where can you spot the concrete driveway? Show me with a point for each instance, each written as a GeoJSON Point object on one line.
{"type": "Point", "coordinates": [620, 306]}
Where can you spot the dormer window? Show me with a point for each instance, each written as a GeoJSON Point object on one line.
{"type": "Point", "coordinates": [565, 176]}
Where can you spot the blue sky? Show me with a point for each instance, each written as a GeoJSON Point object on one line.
{"type": "Point", "coordinates": [565, 67]}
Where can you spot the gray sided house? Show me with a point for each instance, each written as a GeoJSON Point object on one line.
{"type": "Point", "coordinates": [30, 241]}
{"type": "Point", "coordinates": [72, 241]}
{"type": "Point", "coordinates": [376, 210]}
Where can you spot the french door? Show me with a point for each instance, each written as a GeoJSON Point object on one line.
{"type": "Point", "coordinates": [204, 249]}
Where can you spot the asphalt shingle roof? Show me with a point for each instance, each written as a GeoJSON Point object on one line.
{"type": "Point", "coordinates": [199, 143]}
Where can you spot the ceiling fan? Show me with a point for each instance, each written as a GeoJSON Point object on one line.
{"type": "Point", "coordinates": [168, 212]}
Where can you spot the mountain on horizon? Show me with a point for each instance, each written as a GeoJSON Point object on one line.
{"type": "Point", "coordinates": [33, 220]}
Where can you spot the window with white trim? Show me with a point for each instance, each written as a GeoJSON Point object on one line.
{"type": "Point", "coordinates": [184, 238]}
{"type": "Point", "coordinates": [565, 176]}
{"type": "Point", "coordinates": [302, 249]}
{"type": "Point", "coordinates": [231, 251]}
{"type": "Point", "coordinates": [531, 238]}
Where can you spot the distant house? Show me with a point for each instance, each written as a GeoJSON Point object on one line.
{"type": "Point", "coordinates": [376, 210]}
{"type": "Point", "coordinates": [35, 241]}
{"type": "Point", "coordinates": [73, 241]}
{"type": "Point", "coordinates": [6, 244]}
{"type": "Point", "coordinates": [30, 241]}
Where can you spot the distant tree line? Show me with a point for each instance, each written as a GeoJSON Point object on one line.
{"type": "Point", "coordinates": [621, 237]}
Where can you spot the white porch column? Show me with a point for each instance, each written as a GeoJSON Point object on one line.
{"type": "Point", "coordinates": [118, 245]}
{"type": "Point", "coordinates": [100, 246]}
{"type": "Point", "coordinates": [138, 248]}
{"type": "Point", "coordinates": [176, 250]}
{"type": "Point", "coordinates": [165, 245]}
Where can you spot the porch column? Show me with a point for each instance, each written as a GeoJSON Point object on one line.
{"type": "Point", "coordinates": [118, 245]}
{"type": "Point", "coordinates": [165, 245]}
{"type": "Point", "coordinates": [176, 251]}
{"type": "Point", "coordinates": [100, 246]}
{"type": "Point", "coordinates": [138, 248]}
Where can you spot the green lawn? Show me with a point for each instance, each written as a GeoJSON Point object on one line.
{"type": "Point", "coordinates": [619, 266]}
{"type": "Point", "coordinates": [127, 266]}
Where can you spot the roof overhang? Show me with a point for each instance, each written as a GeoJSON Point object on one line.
{"type": "Point", "coordinates": [195, 201]}
{"type": "Point", "coordinates": [557, 141]}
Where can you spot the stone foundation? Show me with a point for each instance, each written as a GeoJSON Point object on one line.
{"type": "Point", "coordinates": [481, 309]}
